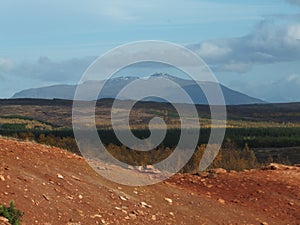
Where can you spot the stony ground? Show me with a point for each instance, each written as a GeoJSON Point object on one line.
{"type": "Point", "coordinates": [52, 186]}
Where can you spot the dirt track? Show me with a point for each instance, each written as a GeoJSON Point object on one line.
{"type": "Point", "coordinates": [55, 187]}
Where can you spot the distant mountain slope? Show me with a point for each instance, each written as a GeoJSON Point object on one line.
{"type": "Point", "coordinates": [113, 86]}
{"type": "Point", "coordinates": [49, 92]}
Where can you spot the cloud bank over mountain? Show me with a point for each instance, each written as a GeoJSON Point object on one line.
{"type": "Point", "coordinates": [267, 43]}
{"type": "Point", "coordinates": [45, 69]}
{"type": "Point", "coordinates": [295, 2]}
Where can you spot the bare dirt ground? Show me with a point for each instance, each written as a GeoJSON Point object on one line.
{"type": "Point", "coordinates": [52, 186]}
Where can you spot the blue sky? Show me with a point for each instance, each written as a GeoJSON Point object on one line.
{"type": "Point", "coordinates": [252, 46]}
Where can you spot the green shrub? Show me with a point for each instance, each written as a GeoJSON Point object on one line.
{"type": "Point", "coordinates": [11, 213]}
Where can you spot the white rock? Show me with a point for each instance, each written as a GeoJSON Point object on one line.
{"type": "Point", "coordinates": [170, 201]}
{"type": "Point", "coordinates": [144, 204]}
{"type": "Point", "coordinates": [123, 198]}
{"type": "Point", "coordinates": [2, 178]}
{"type": "Point", "coordinates": [222, 201]}
{"type": "Point", "coordinates": [218, 171]}
{"type": "Point", "coordinates": [132, 216]}
{"type": "Point", "coordinates": [60, 176]}
{"type": "Point", "coordinates": [96, 216]}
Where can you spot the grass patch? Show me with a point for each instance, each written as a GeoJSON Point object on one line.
{"type": "Point", "coordinates": [11, 213]}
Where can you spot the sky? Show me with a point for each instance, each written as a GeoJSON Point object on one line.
{"type": "Point", "coordinates": [252, 46]}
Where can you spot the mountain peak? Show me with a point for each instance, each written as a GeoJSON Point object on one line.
{"type": "Point", "coordinates": [165, 75]}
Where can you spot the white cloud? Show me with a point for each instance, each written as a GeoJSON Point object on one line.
{"type": "Point", "coordinates": [293, 78]}
{"type": "Point", "coordinates": [47, 70]}
{"type": "Point", "coordinates": [293, 33]}
{"type": "Point", "coordinates": [285, 89]}
{"type": "Point", "coordinates": [269, 42]}
{"type": "Point", "coordinates": [118, 14]}
{"type": "Point", "coordinates": [115, 9]}
{"type": "Point", "coordinates": [238, 67]}
{"type": "Point", "coordinates": [211, 50]}
{"type": "Point", "coordinates": [156, 12]}
{"type": "Point", "coordinates": [6, 64]}
{"type": "Point", "coordinates": [295, 2]}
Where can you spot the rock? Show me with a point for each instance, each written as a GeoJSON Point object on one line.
{"type": "Point", "coordinates": [60, 176]}
{"type": "Point", "coordinates": [260, 192]}
{"type": "Point", "coordinates": [218, 171]}
{"type": "Point", "coordinates": [130, 167]}
{"type": "Point", "coordinates": [272, 166]}
{"type": "Point", "coordinates": [277, 166]}
{"type": "Point", "coordinates": [140, 212]}
{"type": "Point", "coordinates": [201, 174]}
{"type": "Point", "coordinates": [264, 223]}
{"type": "Point", "coordinates": [4, 221]}
{"type": "Point", "coordinates": [150, 167]}
{"type": "Point", "coordinates": [75, 178]}
{"type": "Point", "coordinates": [147, 169]}
{"type": "Point", "coordinates": [132, 216]}
{"type": "Point", "coordinates": [101, 167]}
{"type": "Point", "coordinates": [2, 178]}
{"type": "Point", "coordinates": [80, 196]}
{"type": "Point", "coordinates": [170, 201]}
{"type": "Point", "coordinates": [145, 205]}
{"type": "Point", "coordinates": [46, 197]}
{"type": "Point", "coordinates": [123, 198]}
{"type": "Point", "coordinates": [222, 201]}
{"type": "Point", "coordinates": [139, 168]}
{"type": "Point", "coordinates": [96, 216]}
{"type": "Point", "coordinates": [153, 217]}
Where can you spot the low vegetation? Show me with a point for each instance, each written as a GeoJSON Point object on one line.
{"type": "Point", "coordinates": [11, 213]}
{"type": "Point", "coordinates": [281, 144]}
{"type": "Point", "coordinates": [22, 123]}
{"type": "Point", "coordinates": [255, 134]}
{"type": "Point", "coordinates": [230, 157]}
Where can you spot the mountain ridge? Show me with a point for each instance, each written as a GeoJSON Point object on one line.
{"type": "Point", "coordinates": [112, 87]}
